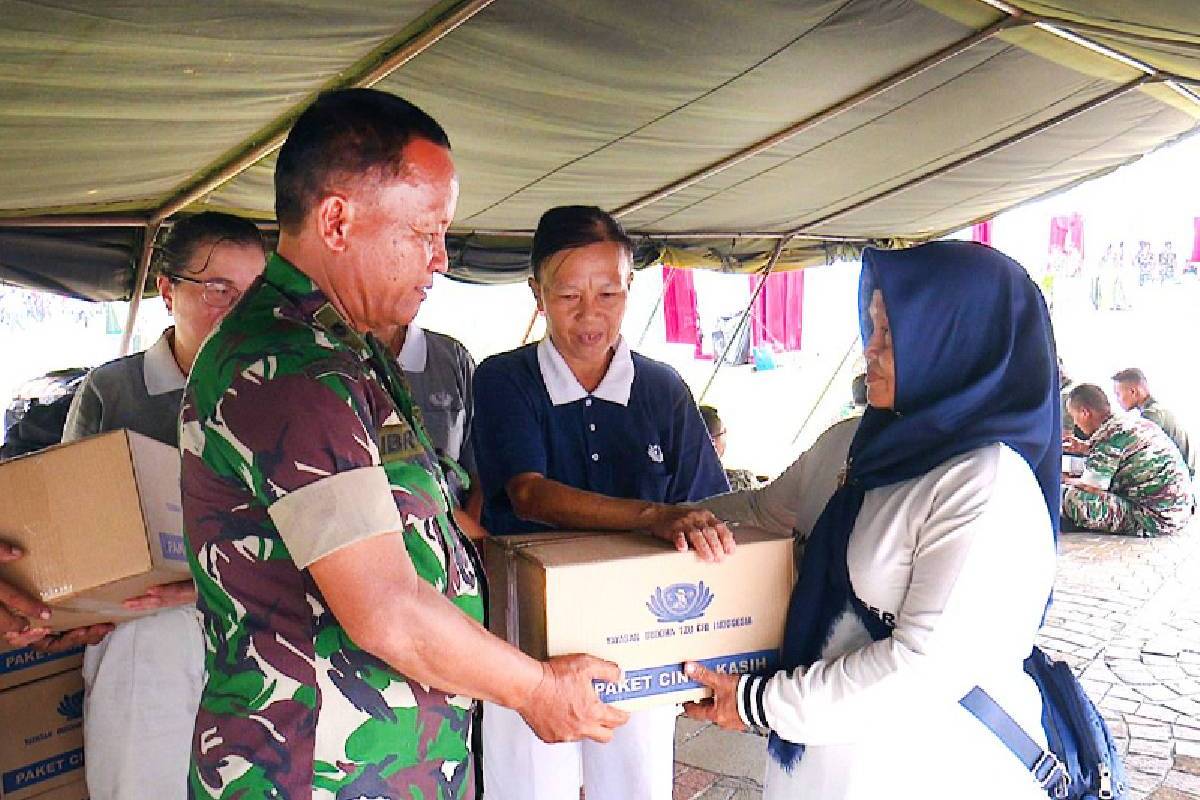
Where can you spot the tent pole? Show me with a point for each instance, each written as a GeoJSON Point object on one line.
{"type": "Point", "coordinates": [828, 384]}
{"type": "Point", "coordinates": [737, 332]}
{"type": "Point", "coordinates": [74, 221]}
{"type": "Point", "coordinates": [367, 71]}
{"type": "Point", "coordinates": [654, 236]}
{"type": "Point", "coordinates": [821, 116]}
{"type": "Point", "coordinates": [971, 158]}
{"type": "Point", "coordinates": [529, 327]}
{"type": "Point", "coordinates": [657, 305]}
{"type": "Point", "coordinates": [139, 286]}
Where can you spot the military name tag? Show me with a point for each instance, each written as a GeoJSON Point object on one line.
{"type": "Point", "coordinates": [399, 443]}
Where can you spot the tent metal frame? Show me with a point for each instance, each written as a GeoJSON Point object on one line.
{"type": "Point", "coordinates": [737, 332]}
{"type": "Point", "coordinates": [149, 234]}
{"type": "Point", "coordinates": [447, 15]}
{"type": "Point", "coordinates": [369, 70]}
{"type": "Point", "coordinates": [979, 155]}
{"type": "Point", "coordinates": [812, 121]}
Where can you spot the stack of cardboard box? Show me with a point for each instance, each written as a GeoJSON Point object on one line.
{"type": "Point", "coordinates": [41, 738]}
{"type": "Point", "coordinates": [99, 521]}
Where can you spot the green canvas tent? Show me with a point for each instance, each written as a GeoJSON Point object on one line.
{"type": "Point", "coordinates": [719, 131]}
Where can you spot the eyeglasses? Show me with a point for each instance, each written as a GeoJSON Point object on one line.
{"type": "Point", "coordinates": [215, 292]}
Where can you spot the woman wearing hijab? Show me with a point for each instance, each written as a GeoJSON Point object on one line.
{"type": "Point", "coordinates": [927, 572]}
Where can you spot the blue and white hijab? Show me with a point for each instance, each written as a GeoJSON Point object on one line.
{"type": "Point", "coordinates": [975, 365]}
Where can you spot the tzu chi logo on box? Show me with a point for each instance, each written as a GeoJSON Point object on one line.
{"type": "Point", "coordinates": [680, 602]}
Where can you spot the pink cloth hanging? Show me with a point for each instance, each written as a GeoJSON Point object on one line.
{"type": "Point", "coordinates": [982, 233]}
{"type": "Point", "coordinates": [679, 307]}
{"type": "Point", "coordinates": [776, 319]}
{"type": "Point", "coordinates": [1075, 232]}
{"type": "Point", "coordinates": [1196, 241]}
{"type": "Point", "coordinates": [1059, 228]}
{"type": "Point", "coordinates": [1066, 228]}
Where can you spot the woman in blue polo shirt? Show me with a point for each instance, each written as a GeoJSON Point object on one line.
{"type": "Point", "coordinates": [578, 432]}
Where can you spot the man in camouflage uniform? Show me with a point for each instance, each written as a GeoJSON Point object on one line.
{"type": "Point", "coordinates": [1134, 480]}
{"type": "Point", "coordinates": [1133, 393]}
{"type": "Point", "coordinates": [740, 480]}
{"type": "Point", "coordinates": [341, 603]}
{"type": "Point", "coordinates": [1167, 261]}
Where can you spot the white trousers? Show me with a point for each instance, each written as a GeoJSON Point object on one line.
{"type": "Point", "coordinates": [638, 764]}
{"type": "Point", "coordinates": [143, 686]}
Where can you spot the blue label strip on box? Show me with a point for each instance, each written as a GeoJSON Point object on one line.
{"type": "Point", "coordinates": [670, 678]}
{"type": "Point", "coordinates": [172, 546]}
{"type": "Point", "coordinates": [44, 770]}
{"type": "Point", "coordinates": [26, 657]}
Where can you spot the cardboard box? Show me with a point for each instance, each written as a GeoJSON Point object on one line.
{"type": "Point", "coordinates": [75, 791]}
{"type": "Point", "coordinates": [634, 600]}
{"type": "Point", "coordinates": [99, 520]}
{"type": "Point", "coordinates": [41, 740]}
{"type": "Point", "coordinates": [19, 665]}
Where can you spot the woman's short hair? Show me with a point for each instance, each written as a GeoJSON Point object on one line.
{"type": "Point", "coordinates": [858, 389]}
{"type": "Point", "coordinates": [190, 235]}
{"type": "Point", "coordinates": [567, 227]}
{"type": "Point", "coordinates": [712, 420]}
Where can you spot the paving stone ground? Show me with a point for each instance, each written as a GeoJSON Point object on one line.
{"type": "Point", "coordinates": [1126, 617]}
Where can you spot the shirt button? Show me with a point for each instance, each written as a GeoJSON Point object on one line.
{"type": "Point", "coordinates": [592, 426]}
{"type": "Point", "coordinates": [595, 456]}
{"type": "Point", "coordinates": [588, 402]}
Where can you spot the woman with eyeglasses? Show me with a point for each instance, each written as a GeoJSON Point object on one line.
{"type": "Point", "coordinates": [143, 678]}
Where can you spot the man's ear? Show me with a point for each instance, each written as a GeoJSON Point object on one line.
{"type": "Point", "coordinates": [166, 290]}
{"type": "Point", "coordinates": [334, 217]}
{"type": "Point", "coordinates": [537, 294]}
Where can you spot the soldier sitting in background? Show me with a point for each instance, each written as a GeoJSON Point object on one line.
{"type": "Point", "coordinates": [1133, 393]}
{"type": "Point", "coordinates": [1134, 480]}
{"type": "Point", "coordinates": [739, 479]}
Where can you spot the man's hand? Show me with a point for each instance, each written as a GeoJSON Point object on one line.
{"type": "Point", "coordinates": [17, 609]}
{"type": "Point", "coordinates": [164, 595]}
{"type": "Point", "coordinates": [722, 707]}
{"type": "Point", "coordinates": [1074, 446]}
{"type": "Point", "coordinates": [76, 637]}
{"type": "Point", "coordinates": [698, 527]}
{"type": "Point", "coordinates": [1087, 487]}
{"type": "Point", "coordinates": [564, 706]}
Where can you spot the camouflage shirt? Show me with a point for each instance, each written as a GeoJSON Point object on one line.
{"type": "Point", "coordinates": [1134, 459]}
{"type": "Point", "coordinates": [287, 416]}
{"type": "Point", "coordinates": [1170, 425]}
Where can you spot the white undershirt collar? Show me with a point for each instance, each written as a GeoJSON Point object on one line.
{"type": "Point", "coordinates": [563, 387]}
{"type": "Point", "coordinates": [415, 350]}
{"type": "Point", "coordinates": [159, 370]}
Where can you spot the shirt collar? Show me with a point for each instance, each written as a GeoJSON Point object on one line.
{"type": "Point", "coordinates": [1106, 429]}
{"type": "Point", "coordinates": [159, 370]}
{"type": "Point", "coordinates": [563, 387]}
{"type": "Point", "coordinates": [415, 351]}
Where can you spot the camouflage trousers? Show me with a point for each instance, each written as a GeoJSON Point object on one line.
{"type": "Point", "coordinates": [1111, 513]}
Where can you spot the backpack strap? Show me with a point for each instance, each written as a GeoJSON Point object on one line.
{"type": "Point", "coordinates": [1047, 770]}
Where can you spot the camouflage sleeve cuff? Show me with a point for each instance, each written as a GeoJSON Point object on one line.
{"type": "Point", "coordinates": [1098, 479]}
{"type": "Point", "coordinates": [334, 512]}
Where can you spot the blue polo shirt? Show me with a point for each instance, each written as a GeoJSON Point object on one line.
{"type": "Point", "coordinates": [639, 435]}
